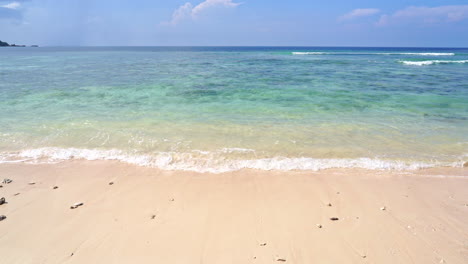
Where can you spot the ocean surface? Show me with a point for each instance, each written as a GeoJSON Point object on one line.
{"type": "Point", "coordinates": [217, 109]}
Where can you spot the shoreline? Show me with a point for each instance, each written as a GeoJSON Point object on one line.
{"type": "Point", "coordinates": [249, 216]}
{"type": "Point", "coordinates": [220, 161]}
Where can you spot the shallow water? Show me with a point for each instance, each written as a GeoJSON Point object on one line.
{"type": "Point", "coordinates": [223, 108]}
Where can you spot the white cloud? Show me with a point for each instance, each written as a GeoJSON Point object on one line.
{"type": "Point", "coordinates": [12, 5]}
{"type": "Point", "coordinates": [360, 12]}
{"type": "Point", "coordinates": [211, 3]}
{"type": "Point", "coordinates": [424, 14]}
{"type": "Point", "coordinates": [189, 11]}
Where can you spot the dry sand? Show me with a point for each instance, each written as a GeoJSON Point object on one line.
{"type": "Point", "coordinates": [152, 216]}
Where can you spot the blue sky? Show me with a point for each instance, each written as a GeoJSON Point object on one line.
{"type": "Point", "coordinates": [436, 23]}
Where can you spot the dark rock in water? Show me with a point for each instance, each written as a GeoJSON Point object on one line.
{"type": "Point", "coordinates": [2, 200]}
{"type": "Point", "coordinates": [2, 217]}
{"type": "Point", "coordinates": [334, 218]}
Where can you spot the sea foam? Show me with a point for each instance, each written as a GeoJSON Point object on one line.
{"type": "Point", "coordinates": [208, 162]}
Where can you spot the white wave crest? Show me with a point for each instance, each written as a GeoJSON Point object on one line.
{"type": "Point", "coordinates": [380, 53]}
{"type": "Point", "coordinates": [431, 62]}
{"type": "Point", "coordinates": [420, 54]}
{"type": "Point", "coordinates": [211, 164]}
{"type": "Point", "coordinates": [309, 53]}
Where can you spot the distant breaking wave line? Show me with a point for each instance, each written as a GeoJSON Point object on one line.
{"type": "Point", "coordinates": [420, 54]}
{"type": "Point", "coordinates": [388, 53]}
{"type": "Point", "coordinates": [310, 53]}
{"type": "Point", "coordinates": [431, 62]}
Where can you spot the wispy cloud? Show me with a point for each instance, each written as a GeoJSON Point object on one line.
{"type": "Point", "coordinates": [12, 5]}
{"type": "Point", "coordinates": [360, 12]}
{"type": "Point", "coordinates": [422, 14]}
{"type": "Point", "coordinates": [10, 11]}
{"type": "Point", "coordinates": [189, 11]}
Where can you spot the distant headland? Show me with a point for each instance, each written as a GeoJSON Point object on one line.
{"type": "Point", "coordinates": [5, 44]}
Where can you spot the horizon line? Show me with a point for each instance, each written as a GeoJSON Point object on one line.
{"type": "Point", "coordinates": [245, 46]}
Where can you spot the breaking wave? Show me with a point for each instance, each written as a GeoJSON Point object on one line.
{"type": "Point", "coordinates": [310, 53]}
{"type": "Point", "coordinates": [370, 53]}
{"type": "Point", "coordinates": [201, 161]}
{"type": "Point", "coordinates": [420, 54]}
{"type": "Point", "coordinates": [431, 62]}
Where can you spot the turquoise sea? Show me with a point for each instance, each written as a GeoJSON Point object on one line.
{"type": "Point", "coordinates": [216, 109]}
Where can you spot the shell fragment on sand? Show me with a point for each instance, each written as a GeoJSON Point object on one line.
{"type": "Point", "coordinates": [76, 205]}
{"type": "Point", "coordinates": [2, 217]}
{"type": "Point", "coordinates": [7, 181]}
